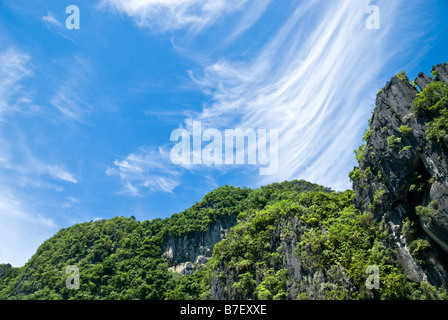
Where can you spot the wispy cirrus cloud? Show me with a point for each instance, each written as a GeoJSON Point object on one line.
{"type": "Point", "coordinates": [23, 167]}
{"type": "Point", "coordinates": [14, 67]}
{"type": "Point", "coordinates": [51, 20]}
{"type": "Point", "coordinates": [147, 169]}
{"type": "Point", "coordinates": [163, 15]}
{"type": "Point", "coordinates": [16, 156]}
{"type": "Point", "coordinates": [57, 172]}
{"type": "Point", "coordinates": [314, 81]}
{"type": "Point", "coordinates": [67, 98]}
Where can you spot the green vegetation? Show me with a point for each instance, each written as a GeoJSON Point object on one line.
{"type": "Point", "coordinates": [427, 212]}
{"type": "Point", "coordinates": [434, 74]}
{"type": "Point", "coordinates": [419, 250]}
{"type": "Point", "coordinates": [433, 102]}
{"type": "Point", "coordinates": [367, 135]}
{"type": "Point", "coordinates": [378, 198]}
{"type": "Point", "coordinates": [418, 247]}
{"type": "Point", "coordinates": [273, 285]}
{"type": "Point", "coordinates": [393, 142]}
{"type": "Point", "coordinates": [7, 276]}
{"type": "Point", "coordinates": [431, 108]}
{"type": "Point", "coordinates": [406, 148]}
{"type": "Point", "coordinates": [407, 117]}
{"type": "Point", "coordinates": [357, 174]}
{"type": "Point", "coordinates": [418, 183]}
{"type": "Point", "coordinates": [403, 77]}
{"type": "Point", "coordinates": [121, 258]}
{"type": "Point", "coordinates": [331, 236]}
{"type": "Point", "coordinates": [405, 130]}
{"type": "Point", "coordinates": [118, 258]}
{"type": "Point", "coordinates": [409, 229]}
{"type": "Point", "coordinates": [361, 151]}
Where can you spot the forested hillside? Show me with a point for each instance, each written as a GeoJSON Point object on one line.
{"type": "Point", "coordinates": [292, 240]}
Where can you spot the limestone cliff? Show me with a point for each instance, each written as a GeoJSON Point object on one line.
{"type": "Point", "coordinates": [192, 250]}
{"type": "Point", "coordinates": [402, 176]}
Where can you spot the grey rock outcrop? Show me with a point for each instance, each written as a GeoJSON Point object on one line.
{"type": "Point", "coordinates": [423, 80]}
{"type": "Point", "coordinates": [402, 170]}
{"type": "Point", "coordinates": [191, 250]}
{"type": "Point", "coordinates": [302, 281]}
{"type": "Point", "coordinates": [441, 72]}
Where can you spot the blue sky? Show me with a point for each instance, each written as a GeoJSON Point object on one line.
{"type": "Point", "coordinates": [86, 114]}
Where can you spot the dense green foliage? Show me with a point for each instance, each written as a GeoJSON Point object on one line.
{"type": "Point", "coordinates": [433, 103]}
{"type": "Point", "coordinates": [118, 258]}
{"type": "Point", "coordinates": [121, 258]}
{"type": "Point", "coordinates": [332, 238]}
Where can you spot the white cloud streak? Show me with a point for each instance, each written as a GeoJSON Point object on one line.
{"type": "Point", "coordinates": [51, 19]}
{"type": "Point", "coordinates": [14, 67]}
{"type": "Point", "coordinates": [164, 15]}
{"type": "Point", "coordinates": [29, 168]}
{"type": "Point", "coordinates": [147, 169]}
{"type": "Point", "coordinates": [58, 173]}
{"type": "Point", "coordinates": [67, 98]}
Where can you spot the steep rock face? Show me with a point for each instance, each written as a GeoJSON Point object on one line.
{"type": "Point", "coordinates": [191, 250]}
{"type": "Point", "coordinates": [301, 281]}
{"type": "Point", "coordinates": [402, 173]}
{"type": "Point", "coordinates": [222, 287]}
